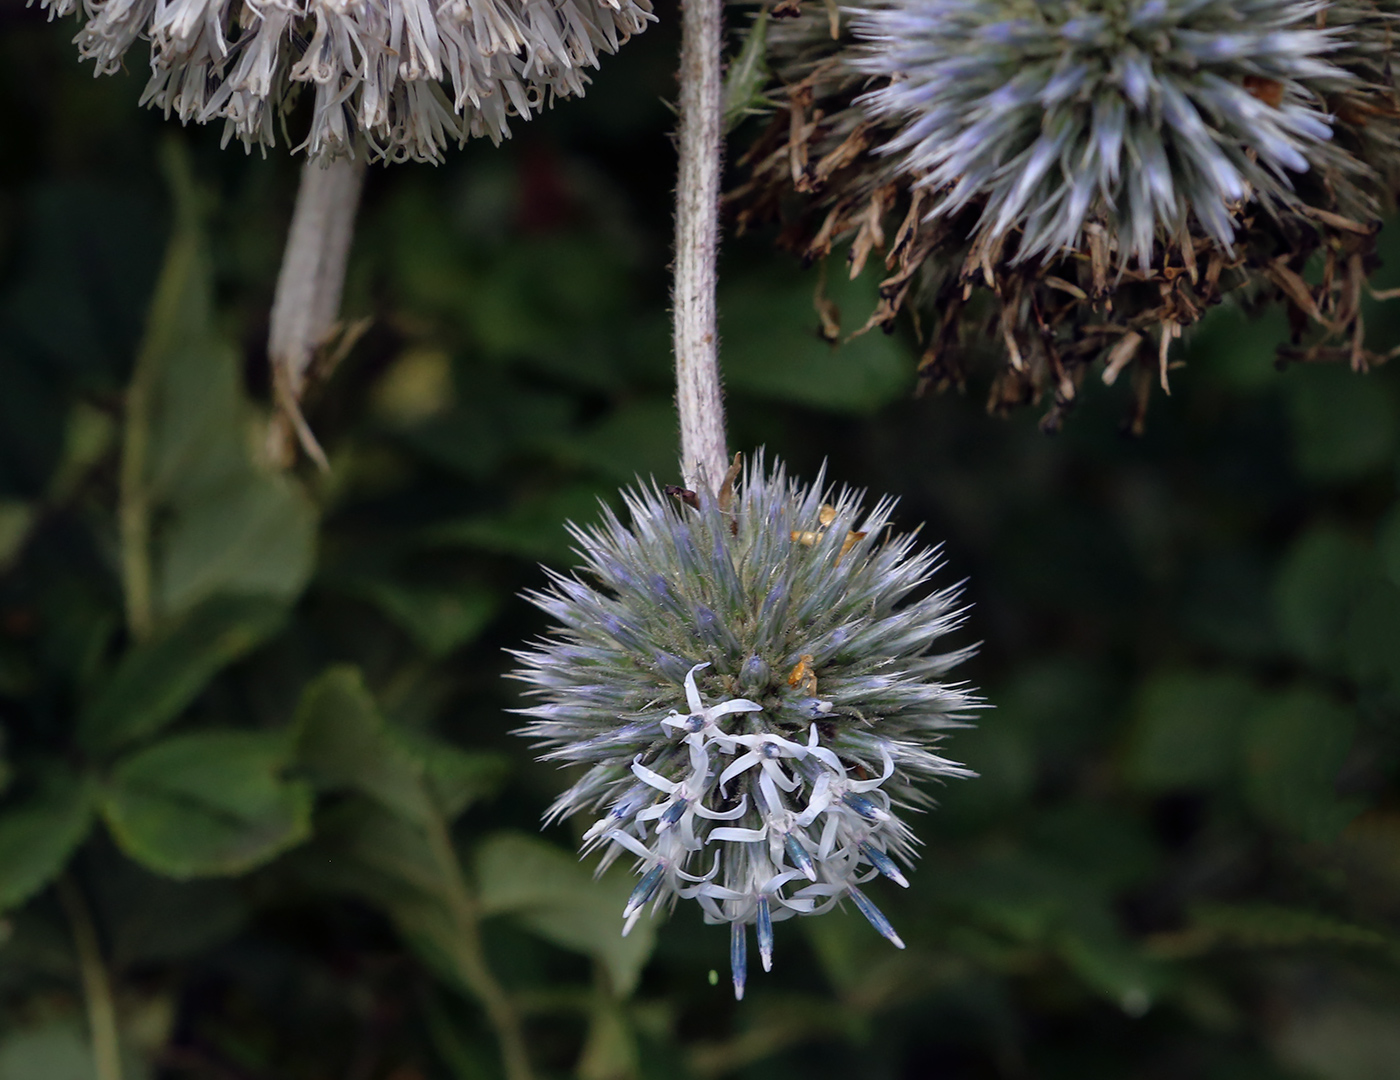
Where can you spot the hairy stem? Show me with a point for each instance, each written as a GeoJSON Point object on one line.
{"type": "Point", "coordinates": [97, 988]}
{"type": "Point", "coordinates": [306, 305]}
{"type": "Point", "coordinates": [698, 399]}
{"type": "Point", "coordinates": [470, 959]}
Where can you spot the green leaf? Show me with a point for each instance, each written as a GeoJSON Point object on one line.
{"type": "Point", "coordinates": [533, 528]}
{"type": "Point", "coordinates": [549, 892]}
{"type": "Point", "coordinates": [1108, 963]}
{"type": "Point", "coordinates": [457, 778]}
{"type": "Point", "coordinates": [439, 619]}
{"type": "Point", "coordinates": [1272, 926]}
{"type": "Point", "coordinates": [1103, 848]}
{"type": "Point", "coordinates": [199, 422]}
{"type": "Point", "coordinates": [15, 520]}
{"type": "Point", "coordinates": [1294, 747]}
{"type": "Point", "coordinates": [253, 534]}
{"type": "Point", "coordinates": [638, 439]}
{"type": "Point", "coordinates": [773, 348]}
{"type": "Point", "coordinates": [376, 854]}
{"type": "Point", "coordinates": [344, 743]}
{"type": "Point", "coordinates": [37, 837]}
{"type": "Point", "coordinates": [610, 1049]}
{"type": "Point", "coordinates": [1340, 1036]}
{"type": "Point", "coordinates": [1373, 636]}
{"type": "Point", "coordinates": [208, 803]}
{"type": "Point", "coordinates": [155, 920]}
{"type": "Point", "coordinates": [1001, 754]}
{"type": "Point", "coordinates": [1316, 586]}
{"type": "Point", "coordinates": [54, 1051]}
{"type": "Point", "coordinates": [1388, 545]}
{"type": "Point", "coordinates": [1187, 730]}
{"type": "Point", "coordinates": [157, 680]}
{"type": "Point", "coordinates": [367, 851]}
{"type": "Point", "coordinates": [1344, 424]}
{"type": "Point", "coordinates": [189, 436]}
{"type": "Point", "coordinates": [747, 75]}
{"type": "Point", "coordinates": [200, 517]}
{"type": "Point", "coordinates": [89, 434]}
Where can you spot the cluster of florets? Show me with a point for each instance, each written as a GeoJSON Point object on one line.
{"type": "Point", "coordinates": [1135, 114]}
{"type": "Point", "coordinates": [1055, 184]}
{"type": "Point", "coordinates": [751, 683]}
{"type": "Point", "coordinates": [380, 69]}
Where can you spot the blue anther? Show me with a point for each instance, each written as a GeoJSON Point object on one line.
{"type": "Point", "coordinates": [876, 917]}
{"type": "Point", "coordinates": [764, 931]}
{"type": "Point", "coordinates": [675, 812]}
{"type": "Point", "coordinates": [798, 854]}
{"type": "Point", "coordinates": [866, 808]}
{"type": "Point", "coordinates": [738, 957]}
{"type": "Point", "coordinates": [646, 888]}
{"type": "Point", "coordinates": [630, 802]}
{"type": "Point", "coordinates": [883, 863]}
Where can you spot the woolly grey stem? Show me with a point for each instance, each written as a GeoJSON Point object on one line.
{"type": "Point", "coordinates": [307, 302]}
{"type": "Point", "coordinates": [698, 400]}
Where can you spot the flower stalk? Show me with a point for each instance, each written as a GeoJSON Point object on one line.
{"type": "Point", "coordinates": [306, 305]}
{"type": "Point", "coordinates": [696, 332]}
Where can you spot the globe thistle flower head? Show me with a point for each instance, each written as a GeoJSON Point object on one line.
{"type": "Point", "coordinates": [409, 76]}
{"type": "Point", "coordinates": [1041, 269]}
{"type": "Point", "coordinates": [1134, 114]}
{"type": "Point", "coordinates": [752, 684]}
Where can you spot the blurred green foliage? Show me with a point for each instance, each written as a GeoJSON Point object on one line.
{"type": "Point", "coordinates": [256, 721]}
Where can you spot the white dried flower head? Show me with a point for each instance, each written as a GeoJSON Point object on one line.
{"type": "Point", "coordinates": [1134, 113]}
{"type": "Point", "coordinates": [754, 689]}
{"type": "Point", "coordinates": [411, 76]}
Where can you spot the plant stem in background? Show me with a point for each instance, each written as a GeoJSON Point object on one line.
{"type": "Point", "coordinates": [97, 988]}
{"type": "Point", "coordinates": [134, 514]}
{"type": "Point", "coordinates": [306, 305]}
{"type": "Point", "coordinates": [698, 399]}
{"type": "Point", "coordinates": [469, 959]}
{"type": "Point", "coordinates": [169, 318]}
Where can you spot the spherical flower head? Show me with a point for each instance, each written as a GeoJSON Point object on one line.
{"type": "Point", "coordinates": [409, 76]}
{"type": "Point", "coordinates": [754, 687]}
{"type": "Point", "coordinates": [1132, 115]}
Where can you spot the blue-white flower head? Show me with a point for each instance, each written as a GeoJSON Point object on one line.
{"type": "Point", "coordinates": [1133, 115]}
{"type": "Point", "coordinates": [754, 687]}
{"type": "Point", "coordinates": [410, 77]}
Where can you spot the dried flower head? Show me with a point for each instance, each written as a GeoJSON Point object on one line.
{"type": "Point", "coordinates": [752, 686]}
{"type": "Point", "coordinates": [1060, 185]}
{"type": "Point", "coordinates": [411, 76]}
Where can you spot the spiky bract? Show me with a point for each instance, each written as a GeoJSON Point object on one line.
{"type": "Point", "coordinates": [983, 273]}
{"type": "Point", "coordinates": [409, 76]}
{"type": "Point", "coordinates": [1135, 114]}
{"type": "Point", "coordinates": [755, 693]}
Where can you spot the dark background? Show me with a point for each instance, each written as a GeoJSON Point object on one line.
{"type": "Point", "coordinates": [1182, 857]}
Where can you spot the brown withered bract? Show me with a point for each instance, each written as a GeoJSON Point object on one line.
{"type": "Point", "coordinates": [1042, 327]}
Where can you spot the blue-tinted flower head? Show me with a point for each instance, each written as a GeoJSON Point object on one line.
{"type": "Point", "coordinates": [1136, 115]}
{"type": "Point", "coordinates": [755, 690]}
